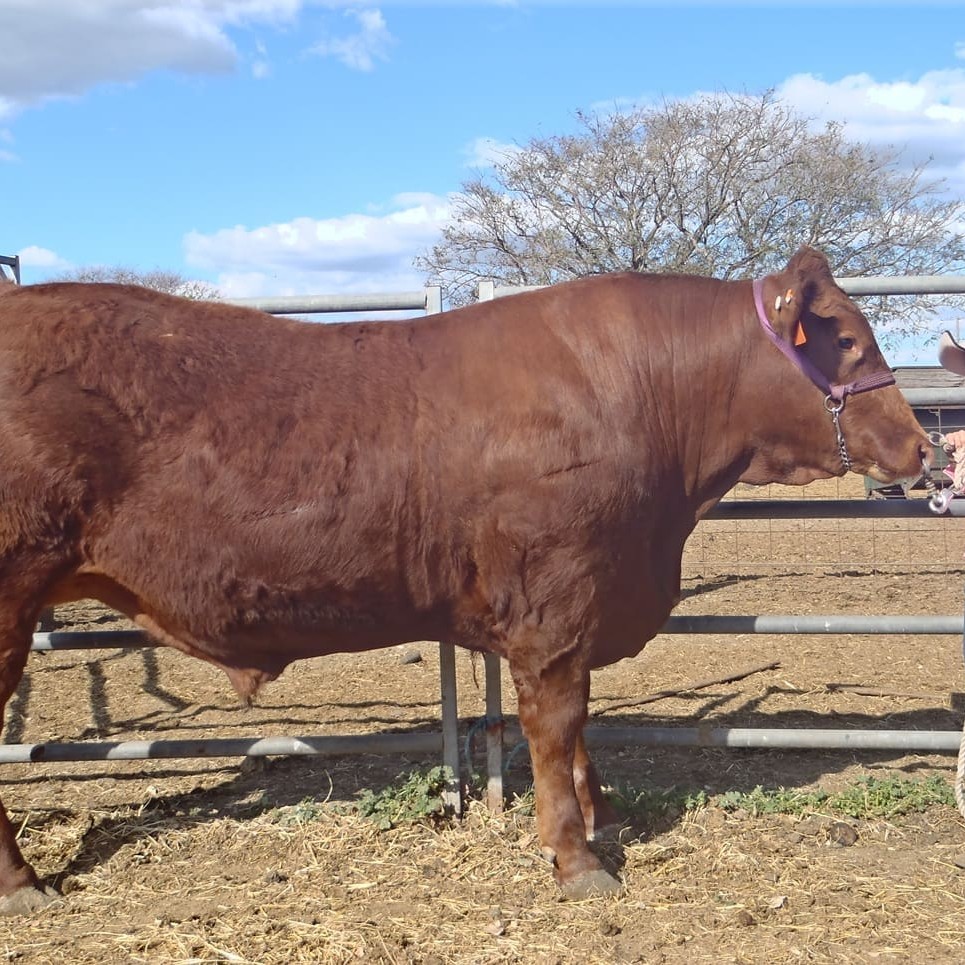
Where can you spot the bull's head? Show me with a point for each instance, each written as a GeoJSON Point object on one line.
{"type": "Point", "coordinates": [851, 416]}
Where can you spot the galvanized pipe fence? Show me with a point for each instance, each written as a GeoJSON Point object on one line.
{"type": "Point", "coordinates": [13, 263]}
{"type": "Point", "coordinates": [429, 300]}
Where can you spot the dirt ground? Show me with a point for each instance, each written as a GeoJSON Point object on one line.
{"type": "Point", "coordinates": [223, 860]}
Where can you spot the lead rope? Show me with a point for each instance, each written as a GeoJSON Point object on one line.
{"type": "Point", "coordinates": [938, 501]}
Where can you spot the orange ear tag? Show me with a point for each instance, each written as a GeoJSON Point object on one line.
{"type": "Point", "coordinates": [799, 337]}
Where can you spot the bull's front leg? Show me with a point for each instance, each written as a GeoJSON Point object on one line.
{"type": "Point", "coordinates": [552, 711]}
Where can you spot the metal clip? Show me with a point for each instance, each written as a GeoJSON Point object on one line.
{"type": "Point", "coordinates": [938, 502]}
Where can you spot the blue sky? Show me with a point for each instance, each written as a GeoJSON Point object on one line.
{"type": "Point", "coordinates": [304, 146]}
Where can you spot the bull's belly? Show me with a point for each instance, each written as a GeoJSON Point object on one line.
{"type": "Point", "coordinates": [254, 644]}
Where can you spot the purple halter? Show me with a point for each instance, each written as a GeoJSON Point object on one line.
{"type": "Point", "coordinates": [834, 391]}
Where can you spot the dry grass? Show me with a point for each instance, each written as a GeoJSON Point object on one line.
{"type": "Point", "coordinates": [713, 888]}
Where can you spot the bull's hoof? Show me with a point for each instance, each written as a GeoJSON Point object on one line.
{"type": "Point", "coordinates": [27, 901]}
{"type": "Point", "coordinates": [593, 884]}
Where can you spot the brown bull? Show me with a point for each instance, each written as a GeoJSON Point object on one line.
{"type": "Point", "coordinates": [518, 477]}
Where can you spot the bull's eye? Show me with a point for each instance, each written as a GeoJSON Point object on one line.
{"type": "Point", "coordinates": [845, 343]}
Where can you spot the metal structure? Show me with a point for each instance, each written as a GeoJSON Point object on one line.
{"type": "Point", "coordinates": [13, 263]}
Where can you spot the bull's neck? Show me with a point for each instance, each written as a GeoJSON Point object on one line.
{"type": "Point", "coordinates": [709, 420]}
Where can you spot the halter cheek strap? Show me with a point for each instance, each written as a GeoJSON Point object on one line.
{"type": "Point", "coordinates": [835, 391]}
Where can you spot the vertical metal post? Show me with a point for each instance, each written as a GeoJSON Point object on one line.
{"type": "Point", "coordinates": [494, 733]}
{"type": "Point", "coordinates": [450, 725]}
{"type": "Point", "coordinates": [452, 796]}
{"type": "Point", "coordinates": [963, 641]}
{"type": "Point", "coordinates": [13, 262]}
{"type": "Point", "coordinates": [486, 292]}
{"type": "Point", "coordinates": [433, 299]}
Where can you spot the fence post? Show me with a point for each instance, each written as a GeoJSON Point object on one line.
{"type": "Point", "coordinates": [494, 689]}
{"type": "Point", "coordinates": [452, 796]}
{"type": "Point", "coordinates": [494, 733]}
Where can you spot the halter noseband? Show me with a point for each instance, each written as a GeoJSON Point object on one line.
{"type": "Point", "coordinates": [835, 393]}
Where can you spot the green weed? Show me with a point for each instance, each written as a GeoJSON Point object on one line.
{"type": "Point", "coordinates": [417, 798]}
{"type": "Point", "coordinates": [868, 797]}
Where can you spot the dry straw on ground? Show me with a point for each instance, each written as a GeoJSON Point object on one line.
{"type": "Point", "coordinates": [276, 889]}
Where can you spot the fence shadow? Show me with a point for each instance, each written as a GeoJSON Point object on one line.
{"type": "Point", "coordinates": [257, 787]}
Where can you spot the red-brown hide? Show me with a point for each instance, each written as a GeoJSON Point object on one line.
{"type": "Point", "coordinates": [518, 477]}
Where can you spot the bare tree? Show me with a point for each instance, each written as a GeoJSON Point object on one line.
{"type": "Point", "coordinates": [158, 279]}
{"type": "Point", "coordinates": [724, 185]}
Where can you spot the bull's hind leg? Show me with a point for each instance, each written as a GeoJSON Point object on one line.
{"type": "Point", "coordinates": [552, 710]}
{"type": "Point", "coordinates": [598, 813]}
{"type": "Point", "coordinates": [20, 890]}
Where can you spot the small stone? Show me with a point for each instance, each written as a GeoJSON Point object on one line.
{"type": "Point", "coordinates": [253, 765]}
{"type": "Point", "coordinates": [410, 656]}
{"type": "Point", "coordinates": [744, 918]}
{"type": "Point", "coordinates": [842, 835]}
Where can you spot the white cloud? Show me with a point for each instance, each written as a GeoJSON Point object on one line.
{"type": "Point", "coordinates": [260, 67]}
{"type": "Point", "coordinates": [484, 152]}
{"type": "Point", "coordinates": [351, 253]}
{"type": "Point", "coordinates": [925, 118]}
{"type": "Point", "coordinates": [62, 48]}
{"type": "Point", "coordinates": [43, 260]}
{"type": "Point", "coordinates": [6, 137]}
{"type": "Point", "coordinates": [359, 50]}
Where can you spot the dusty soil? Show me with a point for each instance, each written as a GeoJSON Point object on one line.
{"type": "Point", "coordinates": [219, 860]}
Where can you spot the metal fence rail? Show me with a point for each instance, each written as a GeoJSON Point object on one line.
{"type": "Point", "coordinates": [811, 738]}
{"type": "Point", "coordinates": [142, 750]}
{"type": "Point", "coordinates": [427, 299]}
{"type": "Point", "coordinates": [13, 263]}
{"type": "Point", "coordinates": [858, 285]}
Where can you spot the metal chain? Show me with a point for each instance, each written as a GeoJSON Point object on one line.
{"type": "Point", "coordinates": [834, 406]}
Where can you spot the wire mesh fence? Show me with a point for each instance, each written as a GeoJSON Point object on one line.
{"type": "Point", "coordinates": [872, 548]}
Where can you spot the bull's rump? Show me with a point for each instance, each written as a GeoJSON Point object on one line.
{"type": "Point", "coordinates": [286, 488]}
{"type": "Point", "coordinates": [230, 469]}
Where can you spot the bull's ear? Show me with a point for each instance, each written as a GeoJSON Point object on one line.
{"type": "Point", "coordinates": [784, 302]}
{"type": "Point", "coordinates": [814, 282]}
